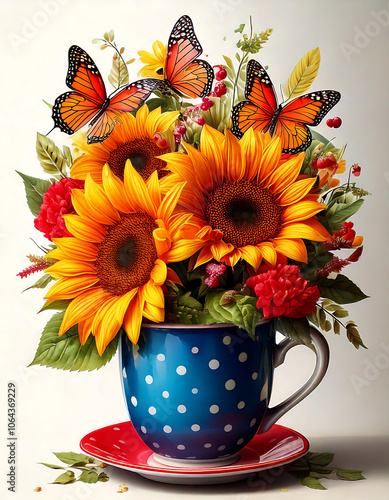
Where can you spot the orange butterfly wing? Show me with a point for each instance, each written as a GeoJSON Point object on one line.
{"type": "Point", "coordinates": [260, 107]}
{"type": "Point", "coordinates": [127, 99]}
{"type": "Point", "coordinates": [89, 103]}
{"type": "Point", "coordinates": [187, 75]}
{"type": "Point", "coordinates": [261, 111]}
{"type": "Point", "coordinates": [293, 118]}
{"type": "Point", "coordinates": [73, 110]}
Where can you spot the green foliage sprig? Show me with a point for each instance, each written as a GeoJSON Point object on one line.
{"type": "Point", "coordinates": [88, 466]}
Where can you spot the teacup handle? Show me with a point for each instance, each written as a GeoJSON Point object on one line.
{"type": "Point", "coordinates": [322, 359]}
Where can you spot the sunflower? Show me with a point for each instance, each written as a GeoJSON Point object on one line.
{"type": "Point", "coordinates": [113, 267]}
{"type": "Point", "coordinates": [155, 63]}
{"type": "Point", "coordinates": [131, 139]}
{"type": "Point", "coordinates": [248, 202]}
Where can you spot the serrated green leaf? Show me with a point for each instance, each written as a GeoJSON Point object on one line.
{"type": "Point", "coordinates": [354, 337]}
{"type": "Point", "coordinates": [88, 476]}
{"type": "Point", "coordinates": [341, 290]}
{"type": "Point", "coordinates": [35, 189]}
{"type": "Point", "coordinates": [303, 74]}
{"type": "Point", "coordinates": [50, 156]}
{"type": "Point", "coordinates": [313, 483]}
{"type": "Point", "coordinates": [349, 475]}
{"type": "Point", "coordinates": [65, 478]}
{"type": "Point", "coordinates": [240, 29]}
{"type": "Point", "coordinates": [66, 352]}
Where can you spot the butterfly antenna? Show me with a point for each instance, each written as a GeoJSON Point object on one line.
{"type": "Point", "coordinates": [50, 130]}
{"type": "Point", "coordinates": [282, 94]}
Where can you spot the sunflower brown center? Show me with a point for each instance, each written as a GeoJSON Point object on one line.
{"type": "Point", "coordinates": [142, 153]}
{"type": "Point", "coordinates": [127, 255]}
{"type": "Point", "coordinates": [246, 213]}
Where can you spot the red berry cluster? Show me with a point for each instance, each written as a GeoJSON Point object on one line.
{"type": "Point", "coordinates": [179, 131]}
{"type": "Point", "coordinates": [160, 140]}
{"type": "Point", "coordinates": [334, 122]}
{"type": "Point", "coordinates": [321, 162]}
{"type": "Point", "coordinates": [356, 170]}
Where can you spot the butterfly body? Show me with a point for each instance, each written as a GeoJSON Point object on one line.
{"type": "Point", "coordinates": [290, 122]}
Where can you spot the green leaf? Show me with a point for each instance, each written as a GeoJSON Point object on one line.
{"type": "Point", "coordinates": [312, 482]}
{"type": "Point", "coordinates": [41, 283]}
{"type": "Point", "coordinates": [88, 476]}
{"type": "Point", "coordinates": [66, 352]}
{"type": "Point", "coordinates": [72, 458]}
{"type": "Point", "coordinates": [51, 466]}
{"type": "Point", "coordinates": [321, 458]}
{"type": "Point", "coordinates": [341, 290]}
{"type": "Point", "coordinates": [103, 477]}
{"type": "Point", "coordinates": [240, 29]}
{"type": "Point", "coordinates": [189, 301]}
{"type": "Point", "coordinates": [57, 305]}
{"type": "Point", "coordinates": [296, 328]}
{"type": "Point", "coordinates": [349, 475]}
{"type": "Point", "coordinates": [65, 478]}
{"type": "Point", "coordinates": [50, 156]}
{"type": "Point", "coordinates": [35, 189]}
{"type": "Point", "coordinates": [353, 335]}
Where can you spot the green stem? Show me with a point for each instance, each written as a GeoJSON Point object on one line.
{"type": "Point", "coordinates": [242, 61]}
{"type": "Point", "coordinates": [330, 314]}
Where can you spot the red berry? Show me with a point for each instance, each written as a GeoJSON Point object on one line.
{"type": "Point", "coordinates": [326, 162]}
{"type": "Point", "coordinates": [199, 120]}
{"type": "Point", "coordinates": [221, 74]}
{"type": "Point", "coordinates": [182, 129]}
{"type": "Point", "coordinates": [314, 162]}
{"type": "Point", "coordinates": [330, 122]}
{"type": "Point", "coordinates": [356, 170]}
{"type": "Point", "coordinates": [220, 89]}
{"type": "Point", "coordinates": [337, 122]}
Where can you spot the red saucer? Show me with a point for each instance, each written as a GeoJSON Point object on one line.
{"type": "Point", "coordinates": [120, 445]}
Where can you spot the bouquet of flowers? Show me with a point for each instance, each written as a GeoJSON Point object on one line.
{"type": "Point", "coordinates": [193, 197]}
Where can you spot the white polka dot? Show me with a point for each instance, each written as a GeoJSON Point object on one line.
{"type": "Point", "coordinates": [124, 373]}
{"type": "Point", "coordinates": [117, 429]}
{"type": "Point", "coordinates": [222, 447]}
{"type": "Point", "coordinates": [165, 394]}
{"type": "Point", "coordinates": [214, 364]}
{"type": "Point", "coordinates": [252, 423]}
{"type": "Point", "coordinates": [242, 357]}
{"type": "Point", "coordinates": [156, 445]}
{"type": "Point", "coordinates": [254, 376]}
{"type": "Point", "coordinates": [226, 340]}
{"type": "Point", "coordinates": [143, 429]}
{"type": "Point", "coordinates": [181, 408]}
{"type": "Point", "coordinates": [228, 428]}
{"type": "Point", "coordinates": [207, 445]}
{"type": "Point", "coordinates": [240, 441]}
{"type": "Point", "coordinates": [241, 405]}
{"type": "Point", "coordinates": [134, 400]}
{"type": "Point", "coordinates": [195, 427]}
{"type": "Point", "coordinates": [195, 350]}
{"type": "Point", "coordinates": [152, 410]}
{"type": "Point", "coordinates": [167, 429]}
{"type": "Point", "coordinates": [214, 409]}
{"type": "Point", "coordinates": [230, 384]}
{"type": "Point", "coordinates": [180, 447]}
{"type": "Point", "coordinates": [149, 379]}
{"type": "Point", "coordinates": [121, 441]}
{"type": "Point", "coordinates": [195, 390]}
{"type": "Point", "coordinates": [181, 370]}
{"type": "Point", "coordinates": [161, 357]}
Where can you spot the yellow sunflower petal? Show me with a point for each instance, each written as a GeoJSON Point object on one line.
{"type": "Point", "coordinates": [252, 147]}
{"type": "Point", "coordinates": [296, 191]}
{"type": "Point", "coordinates": [133, 319]}
{"type": "Point", "coordinates": [311, 230]}
{"type": "Point", "coordinates": [220, 249]}
{"type": "Point", "coordinates": [301, 210]}
{"type": "Point", "coordinates": [137, 191]}
{"type": "Point", "coordinates": [69, 288]}
{"type": "Point", "coordinates": [211, 146]}
{"type": "Point", "coordinates": [88, 165]}
{"type": "Point", "coordinates": [85, 329]}
{"type": "Point", "coordinates": [268, 252]}
{"type": "Point", "coordinates": [204, 256]}
{"type": "Point", "coordinates": [233, 157]}
{"type": "Point", "coordinates": [103, 210]}
{"type": "Point", "coordinates": [270, 159]}
{"type": "Point", "coordinates": [67, 268]}
{"type": "Point", "coordinates": [85, 230]}
{"type": "Point", "coordinates": [159, 272]}
{"type": "Point", "coordinates": [170, 201]}
{"type": "Point", "coordinates": [164, 121]}
{"type": "Point", "coordinates": [181, 250]}
{"type": "Point", "coordinates": [285, 174]}
{"type": "Point", "coordinates": [252, 255]}
{"type": "Point", "coordinates": [105, 325]}
{"type": "Point", "coordinates": [73, 248]}
{"type": "Point", "coordinates": [154, 313]}
{"type": "Point", "coordinates": [141, 117]}
{"type": "Point", "coordinates": [115, 190]}
{"type": "Point", "coordinates": [294, 249]}
{"type": "Point", "coordinates": [153, 295]}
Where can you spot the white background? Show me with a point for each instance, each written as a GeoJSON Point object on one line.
{"type": "Point", "coordinates": [348, 413]}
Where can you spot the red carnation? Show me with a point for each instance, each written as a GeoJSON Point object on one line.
{"type": "Point", "coordinates": [57, 201]}
{"type": "Point", "coordinates": [282, 291]}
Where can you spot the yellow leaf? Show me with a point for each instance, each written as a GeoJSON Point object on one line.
{"type": "Point", "coordinates": [303, 74]}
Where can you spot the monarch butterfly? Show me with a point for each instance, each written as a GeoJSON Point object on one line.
{"type": "Point", "coordinates": [88, 101]}
{"type": "Point", "coordinates": [261, 111]}
{"type": "Point", "coordinates": [183, 73]}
